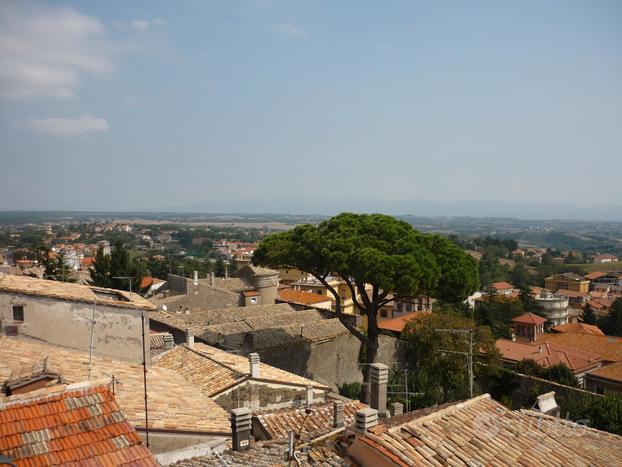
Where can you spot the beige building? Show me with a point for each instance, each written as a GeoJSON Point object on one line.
{"type": "Point", "coordinates": [567, 281]}
{"type": "Point", "coordinates": [76, 316]}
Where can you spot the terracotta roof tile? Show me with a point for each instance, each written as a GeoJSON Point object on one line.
{"type": "Point", "coordinates": [299, 296]}
{"type": "Point", "coordinates": [76, 419]}
{"type": "Point", "coordinates": [529, 318]}
{"type": "Point", "coordinates": [276, 424]}
{"type": "Point", "coordinates": [578, 327]}
{"type": "Point", "coordinates": [73, 292]}
{"type": "Point", "coordinates": [483, 432]}
{"type": "Point", "coordinates": [397, 324]}
{"type": "Point", "coordinates": [241, 365]}
{"type": "Point", "coordinates": [611, 372]}
{"type": "Point", "coordinates": [609, 347]}
{"type": "Point", "coordinates": [173, 403]}
{"type": "Point", "coordinates": [548, 354]}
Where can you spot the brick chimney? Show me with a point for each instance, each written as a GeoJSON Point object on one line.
{"type": "Point", "coordinates": [379, 377]}
{"type": "Point", "coordinates": [169, 342]}
{"type": "Point", "coordinates": [365, 419]}
{"type": "Point", "coordinates": [338, 417]}
{"type": "Point", "coordinates": [253, 360]}
{"type": "Point", "coordinates": [189, 338]}
{"type": "Point", "coordinates": [396, 408]}
{"type": "Point", "coordinates": [241, 428]}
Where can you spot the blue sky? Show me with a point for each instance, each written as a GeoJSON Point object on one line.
{"type": "Point", "coordinates": [310, 106]}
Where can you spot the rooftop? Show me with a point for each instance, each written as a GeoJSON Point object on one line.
{"type": "Point", "coordinates": [529, 318]}
{"type": "Point", "coordinates": [276, 424]}
{"type": "Point", "coordinates": [611, 372]}
{"type": "Point", "coordinates": [578, 327]}
{"type": "Point", "coordinates": [609, 347]}
{"type": "Point", "coordinates": [547, 354]}
{"type": "Point", "coordinates": [204, 363]}
{"type": "Point", "coordinates": [501, 285]}
{"type": "Point", "coordinates": [398, 324]}
{"type": "Point", "coordinates": [481, 431]}
{"type": "Point", "coordinates": [173, 403]}
{"type": "Point", "coordinates": [25, 285]}
{"type": "Point", "coordinates": [78, 423]}
{"type": "Point", "coordinates": [299, 296]}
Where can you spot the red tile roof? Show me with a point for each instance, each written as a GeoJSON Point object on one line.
{"type": "Point", "coordinates": [398, 324]}
{"type": "Point", "coordinates": [547, 355]}
{"type": "Point", "coordinates": [79, 425]}
{"type": "Point", "coordinates": [501, 285]}
{"type": "Point", "coordinates": [579, 327]}
{"type": "Point", "coordinates": [529, 318]}
{"type": "Point", "coordinates": [299, 296]}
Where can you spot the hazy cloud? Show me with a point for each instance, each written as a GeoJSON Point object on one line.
{"type": "Point", "coordinates": [290, 30]}
{"type": "Point", "coordinates": [67, 126]}
{"type": "Point", "coordinates": [44, 51]}
{"type": "Point", "coordinates": [142, 24]}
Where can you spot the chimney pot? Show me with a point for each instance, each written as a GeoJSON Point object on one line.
{"type": "Point", "coordinates": [396, 408]}
{"type": "Point", "coordinates": [338, 418]}
{"type": "Point", "coordinates": [365, 419]}
{"type": "Point", "coordinates": [212, 278]}
{"type": "Point", "coordinates": [241, 428]}
{"type": "Point", "coordinates": [195, 277]}
{"type": "Point", "coordinates": [169, 342]}
{"type": "Point", "coordinates": [189, 338]}
{"type": "Point", "coordinates": [253, 359]}
{"type": "Point", "coordinates": [309, 397]}
{"type": "Point", "coordinates": [378, 377]}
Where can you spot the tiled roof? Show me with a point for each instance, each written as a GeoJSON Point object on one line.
{"type": "Point", "coordinates": [259, 271]}
{"type": "Point", "coordinates": [276, 424]}
{"type": "Point", "coordinates": [299, 296]}
{"type": "Point", "coordinates": [207, 375]}
{"type": "Point", "coordinates": [234, 284]}
{"type": "Point", "coordinates": [547, 354]}
{"type": "Point", "coordinates": [156, 340]}
{"type": "Point", "coordinates": [73, 292]}
{"type": "Point", "coordinates": [529, 318]}
{"type": "Point", "coordinates": [75, 426]}
{"type": "Point", "coordinates": [611, 372]}
{"type": "Point", "coordinates": [483, 432]}
{"type": "Point", "coordinates": [241, 365]}
{"type": "Point", "coordinates": [571, 293]}
{"type": "Point", "coordinates": [197, 321]}
{"type": "Point", "coordinates": [173, 403]}
{"type": "Point", "coordinates": [397, 324]}
{"type": "Point", "coordinates": [578, 327]}
{"type": "Point", "coordinates": [268, 454]}
{"type": "Point", "coordinates": [597, 274]}
{"type": "Point", "coordinates": [609, 347]}
{"type": "Point", "coordinates": [501, 285]}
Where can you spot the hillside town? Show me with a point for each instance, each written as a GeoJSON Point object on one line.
{"type": "Point", "coordinates": [234, 363]}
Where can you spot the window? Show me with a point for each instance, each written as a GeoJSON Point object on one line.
{"type": "Point", "coordinates": [383, 314]}
{"type": "Point", "coordinates": [18, 313]}
{"type": "Point", "coordinates": [600, 390]}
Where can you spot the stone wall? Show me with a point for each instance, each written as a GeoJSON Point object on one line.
{"type": "Point", "coordinates": [117, 332]}
{"type": "Point", "coordinates": [333, 363]}
{"type": "Point", "coordinates": [199, 297]}
{"type": "Point", "coordinates": [258, 395]}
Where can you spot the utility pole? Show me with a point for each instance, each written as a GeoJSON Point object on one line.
{"type": "Point", "coordinates": [469, 354]}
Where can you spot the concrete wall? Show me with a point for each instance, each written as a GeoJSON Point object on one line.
{"type": "Point", "coordinates": [117, 331]}
{"type": "Point", "coordinates": [160, 442]}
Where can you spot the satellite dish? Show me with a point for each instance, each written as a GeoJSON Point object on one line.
{"type": "Point", "coordinates": [164, 307]}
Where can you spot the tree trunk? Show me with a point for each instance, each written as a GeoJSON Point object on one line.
{"type": "Point", "coordinates": [371, 354]}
